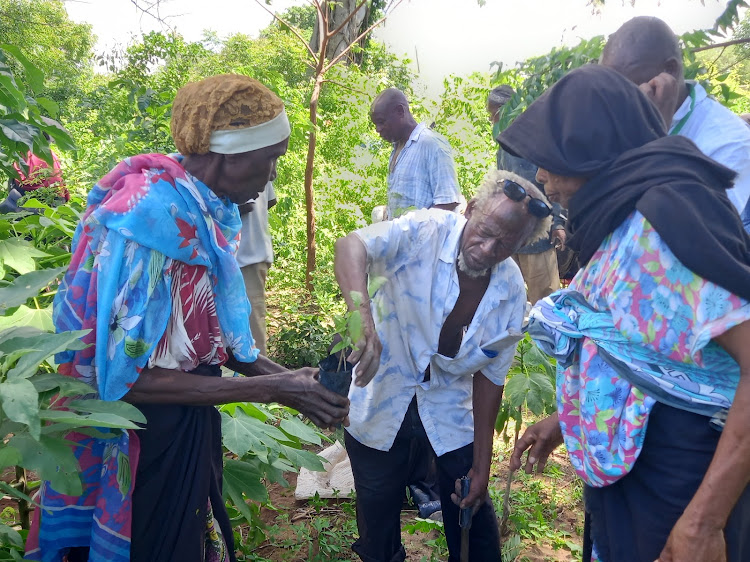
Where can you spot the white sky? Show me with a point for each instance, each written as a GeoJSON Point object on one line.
{"type": "Point", "coordinates": [449, 36]}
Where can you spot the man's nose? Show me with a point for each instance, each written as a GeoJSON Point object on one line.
{"type": "Point", "coordinates": [541, 176]}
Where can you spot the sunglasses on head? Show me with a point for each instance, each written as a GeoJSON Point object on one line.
{"type": "Point", "coordinates": [516, 192]}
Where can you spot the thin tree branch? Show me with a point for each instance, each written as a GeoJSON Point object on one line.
{"type": "Point", "coordinates": [291, 28]}
{"type": "Point", "coordinates": [146, 6]}
{"type": "Point", "coordinates": [724, 44]}
{"type": "Point", "coordinates": [347, 19]}
{"type": "Point", "coordinates": [343, 86]}
{"type": "Point", "coordinates": [338, 57]}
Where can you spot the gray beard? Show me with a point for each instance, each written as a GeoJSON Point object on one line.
{"type": "Point", "coordinates": [473, 273]}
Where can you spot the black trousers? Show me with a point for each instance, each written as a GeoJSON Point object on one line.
{"type": "Point", "coordinates": [630, 520]}
{"type": "Point", "coordinates": [380, 478]}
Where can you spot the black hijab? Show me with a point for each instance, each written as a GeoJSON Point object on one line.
{"type": "Point", "coordinates": [594, 123]}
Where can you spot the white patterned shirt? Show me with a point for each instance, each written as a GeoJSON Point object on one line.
{"type": "Point", "coordinates": [423, 174]}
{"type": "Point", "coordinates": [417, 254]}
{"type": "Point", "coordinates": [721, 135]}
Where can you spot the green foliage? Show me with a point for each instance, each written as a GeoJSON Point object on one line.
{"type": "Point", "coordinates": [60, 48]}
{"type": "Point", "coordinates": [21, 125]}
{"type": "Point", "coordinates": [536, 507]}
{"type": "Point", "coordinates": [264, 443]}
{"type": "Point", "coordinates": [462, 118]}
{"type": "Point", "coordinates": [533, 76]}
{"type": "Point", "coordinates": [530, 384]}
{"type": "Point", "coordinates": [438, 543]}
{"type": "Point", "coordinates": [325, 533]}
{"type": "Point", "coordinates": [38, 407]}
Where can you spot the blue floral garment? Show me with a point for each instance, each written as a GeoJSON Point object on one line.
{"type": "Point", "coordinates": [661, 319]}
{"type": "Point", "coordinates": [142, 218]}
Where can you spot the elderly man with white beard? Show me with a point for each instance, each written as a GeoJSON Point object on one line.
{"type": "Point", "coordinates": [439, 337]}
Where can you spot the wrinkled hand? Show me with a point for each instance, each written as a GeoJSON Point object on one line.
{"type": "Point", "coordinates": [477, 491]}
{"type": "Point", "coordinates": [541, 438]}
{"type": "Point", "coordinates": [688, 542]}
{"type": "Point", "coordinates": [557, 238]}
{"type": "Point", "coordinates": [367, 356]}
{"type": "Point", "coordinates": [303, 392]}
{"type": "Point", "coordinates": [662, 90]}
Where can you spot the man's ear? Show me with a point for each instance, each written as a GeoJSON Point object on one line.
{"type": "Point", "coordinates": [674, 67]}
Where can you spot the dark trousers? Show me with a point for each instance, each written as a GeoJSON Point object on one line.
{"type": "Point", "coordinates": [630, 520]}
{"type": "Point", "coordinates": [380, 478]}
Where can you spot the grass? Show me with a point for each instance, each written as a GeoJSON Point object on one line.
{"type": "Point", "coordinates": [546, 521]}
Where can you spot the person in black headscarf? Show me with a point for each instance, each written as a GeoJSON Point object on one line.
{"type": "Point", "coordinates": [653, 336]}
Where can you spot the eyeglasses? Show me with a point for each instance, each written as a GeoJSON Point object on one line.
{"type": "Point", "coordinates": [517, 193]}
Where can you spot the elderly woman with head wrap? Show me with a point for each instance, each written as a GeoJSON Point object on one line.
{"type": "Point", "coordinates": [652, 338]}
{"type": "Point", "coordinates": [154, 278]}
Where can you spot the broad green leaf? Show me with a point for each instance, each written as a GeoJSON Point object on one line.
{"type": "Point", "coordinates": [52, 459]}
{"type": "Point", "coordinates": [8, 535]}
{"type": "Point", "coordinates": [299, 429]}
{"type": "Point", "coordinates": [9, 456]}
{"type": "Point", "coordinates": [90, 420]}
{"type": "Point", "coordinates": [68, 386]}
{"type": "Point", "coordinates": [40, 347]}
{"type": "Point", "coordinates": [254, 411]}
{"type": "Point", "coordinates": [50, 106]}
{"type": "Point", "coordinates": [40, 318]}
{"type": "Point", "coordinates": [19, 254]}
{"type": "Point", "coordinates": [116, 408]}
{"type": "Point", "coordinates": [26, 286]}
{"type": "Point", "coordinates": [243, 479]}
{"type": "Point", "coordinates": [303, 459]}
{"type": "Point", "coordinates": [20, 402]}
{"type": "Point", "coordinates": [34, 76]}
{"type": "Point", "coordinates": [516, 389]}
{"type": "Point", "coordinates": [17, 332]}
{"type": "Point", "coordinates": [239, 433]}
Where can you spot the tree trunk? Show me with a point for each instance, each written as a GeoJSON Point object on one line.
{"type": "Point", "coordinates": [309, 194]}
{"type": "Point", "coordinates": [335, 14]}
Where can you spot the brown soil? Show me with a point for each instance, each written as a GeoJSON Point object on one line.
{"type": "Point", "coordinates": [287, 516]}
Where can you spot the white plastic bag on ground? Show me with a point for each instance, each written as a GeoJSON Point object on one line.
{"type": "Point", "coordinates": [336, 481]}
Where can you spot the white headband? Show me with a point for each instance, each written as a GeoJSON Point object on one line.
{"type": "Point", "coordinates": [251, 138]}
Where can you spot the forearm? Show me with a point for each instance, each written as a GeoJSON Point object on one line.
{"type": "Point", "coordinates": [260, 367]}
{"type": "Point", "coordinates": [486, 400]}
{"type": "Point", "coordinates": [350, 268]}
{"type": "Point", "coordinates": [729, 472]}
{"type": "Point", "coordinates": [169, 386]}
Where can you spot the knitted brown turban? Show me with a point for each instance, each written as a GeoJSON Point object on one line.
{"type": "Point", "coordinates": [218, 103]}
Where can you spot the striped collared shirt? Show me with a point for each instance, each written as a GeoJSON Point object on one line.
{"type": "Point", "coordinates": [423, 174]}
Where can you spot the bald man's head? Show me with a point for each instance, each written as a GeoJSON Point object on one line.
{"type": "Point", "coordinates": [643, 48]}
{"type": "Point", "coordinates": [390, 114]}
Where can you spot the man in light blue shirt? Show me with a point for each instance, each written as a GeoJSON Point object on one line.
{"type": "Point", "coordinates": [647, 52]}
{"type": "Point", "coordinates": [440, 335]}
{"type": "Point", "coordinates": [421, 173]}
